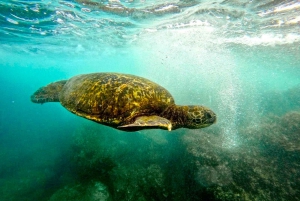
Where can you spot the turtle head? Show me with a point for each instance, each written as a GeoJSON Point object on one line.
{"type": "Point", "coordinates": [198, 117]}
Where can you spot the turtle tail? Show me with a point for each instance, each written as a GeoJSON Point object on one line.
{"type": "Point", "coordinates": [49, 93]}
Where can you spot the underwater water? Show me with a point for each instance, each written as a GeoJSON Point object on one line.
{"type": "Point", "coordinates": [239, 58]}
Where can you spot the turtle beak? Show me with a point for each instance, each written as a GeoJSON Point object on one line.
{"type": "Point", "coordinates": [210, 117]}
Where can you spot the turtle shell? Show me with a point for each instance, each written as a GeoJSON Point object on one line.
{"type": "Point", "coordinates": [114, 99]}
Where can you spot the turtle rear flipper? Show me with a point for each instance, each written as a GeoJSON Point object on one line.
{"type": "Point", "coordinates": [148, 121]}
{"type": "Point", "coordinates": [49, 93]}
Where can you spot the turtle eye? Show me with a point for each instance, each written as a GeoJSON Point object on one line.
{"type": "Point", "coordinates": [208, 115]}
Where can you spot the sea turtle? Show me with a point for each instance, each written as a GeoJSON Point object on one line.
{"type": "Point", "coordinates": [123, 101]}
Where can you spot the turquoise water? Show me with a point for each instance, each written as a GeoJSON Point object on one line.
{"type": "Point", "coordinates": [239, 58]}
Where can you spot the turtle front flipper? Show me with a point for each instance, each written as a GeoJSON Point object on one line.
{"type": "Point", "coordinates": [148, 121]}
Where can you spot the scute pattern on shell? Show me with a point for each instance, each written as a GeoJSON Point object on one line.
{"type": "Point", "coordinates": [114, 99]}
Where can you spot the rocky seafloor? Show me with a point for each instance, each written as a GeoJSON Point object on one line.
{"type": "Point", "coordinates": [190, 164]}
{"type": "Point", "coordinates": [187, 166]}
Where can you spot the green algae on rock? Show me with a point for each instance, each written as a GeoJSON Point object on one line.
{"type": "Point", "coordinates": [94, 191]}
{"type": "Point", "coordinates": [192, 165]}
{"type": "Point", "coordinates": [267, 159]}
